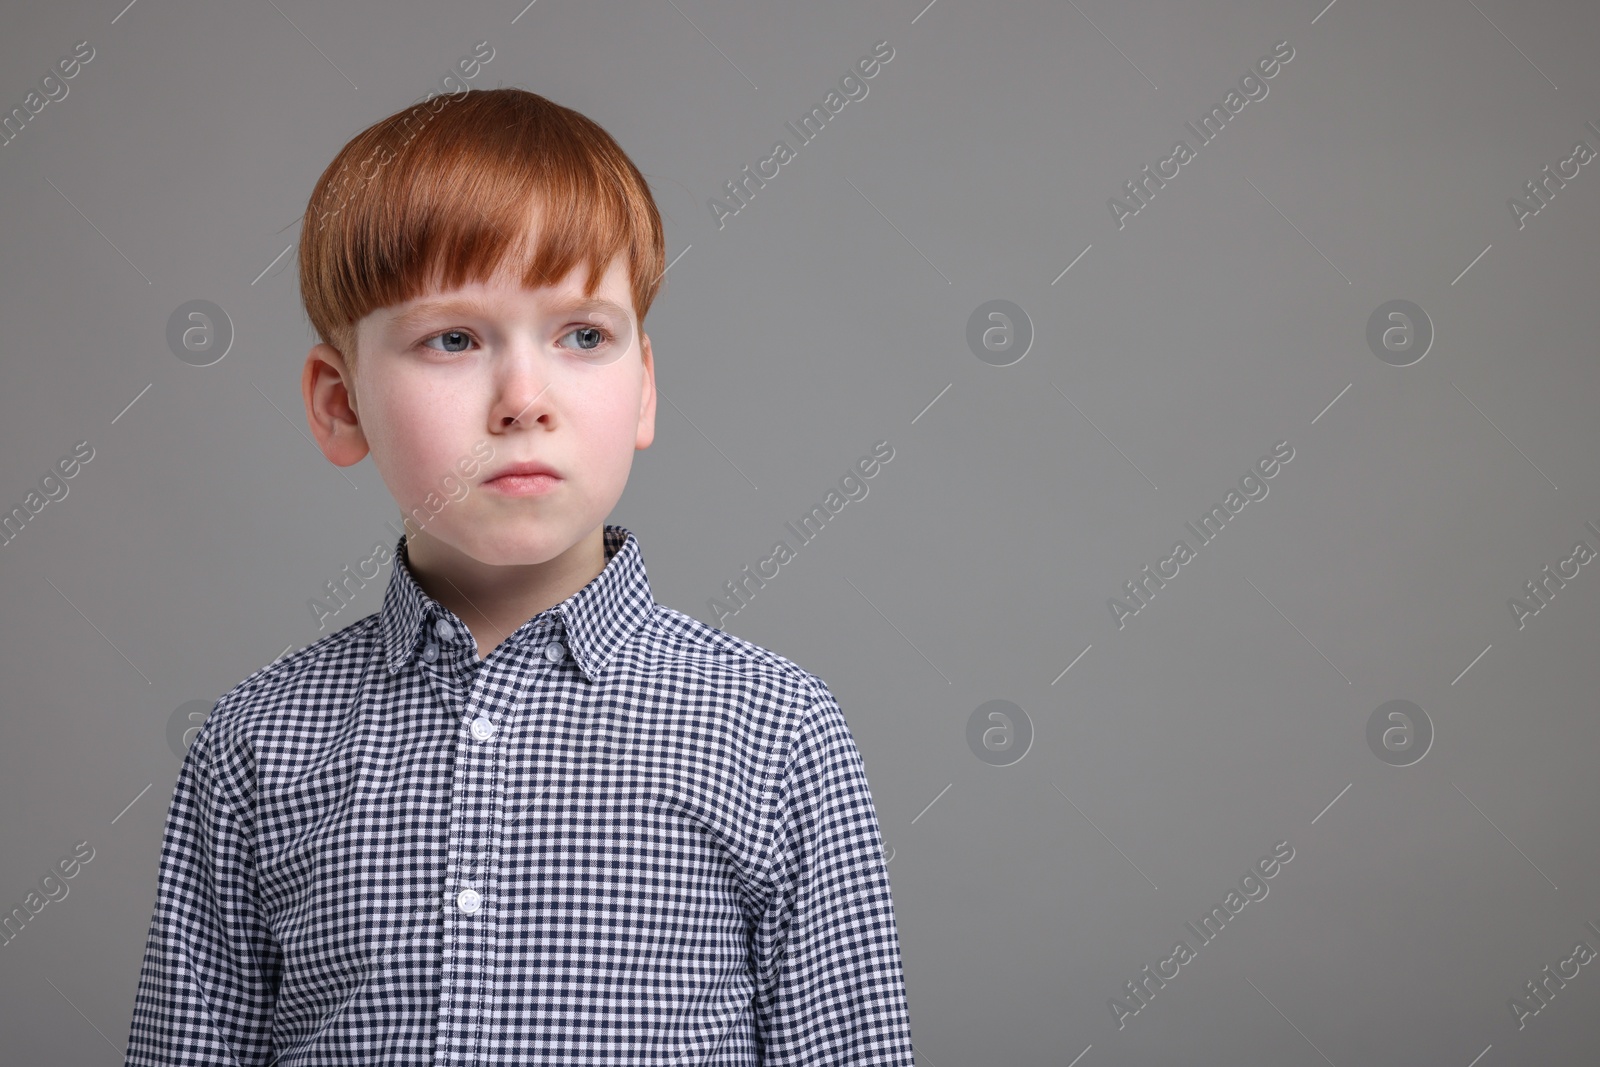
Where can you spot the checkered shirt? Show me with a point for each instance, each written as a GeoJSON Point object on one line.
{"type": "Point", "coordinates": [625, 837]}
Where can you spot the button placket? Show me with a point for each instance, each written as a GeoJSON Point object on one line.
{"type": "Point", "coordinates": [475, 832]}
{"type": "Point", "coordinates": [482, 727]}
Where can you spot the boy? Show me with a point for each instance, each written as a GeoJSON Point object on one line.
{"type": "Point", "coordinates": [523, 814]}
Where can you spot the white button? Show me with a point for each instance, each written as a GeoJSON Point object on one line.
{"type": "Point", "coordinates": [482, 728]}
{"type": "Point", "coordinates": [554, 652]}
{"type": "Point", "coordinates": [469, 901]}
{"type": "Point", "coordinates": [430, 651]}
{"type": "Point", "coordinates": [445, 631]}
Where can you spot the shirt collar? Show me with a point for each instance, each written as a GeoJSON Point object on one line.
{"type": "Point", "coordinates": [599, 618]}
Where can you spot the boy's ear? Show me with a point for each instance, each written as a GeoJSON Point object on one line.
{"type": "Point", "coordinates": [327, 386]}
{"type": "Point", "coordinates": [647, 402]}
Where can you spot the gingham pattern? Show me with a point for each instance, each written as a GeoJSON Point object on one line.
{"type": "Point", "coordinates": [675, 855]}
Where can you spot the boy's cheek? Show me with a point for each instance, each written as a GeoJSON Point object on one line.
{"type": "Point", "coordinates": [482, 453]}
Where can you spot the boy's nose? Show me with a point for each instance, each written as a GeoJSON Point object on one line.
{"type": "Point", "coordinates": [527, 411]}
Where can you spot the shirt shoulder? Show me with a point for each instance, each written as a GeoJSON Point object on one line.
{"type": "Point", "coordinates": [774, 702]}
{"type": "Point", "coordinates": [273, 698]}
{"type": "Point", "coordinates": [782, 716]}
{"type": "Point", "coordinates": [677, 640]}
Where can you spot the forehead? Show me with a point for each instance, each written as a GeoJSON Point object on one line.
{"type": "Point", "coordinates": [505, 293]}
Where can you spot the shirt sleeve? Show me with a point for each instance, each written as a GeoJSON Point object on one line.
{"type": "Point", "coordinates": [830, 988]}
{"type": "Point", "coordinates": [209, 981]}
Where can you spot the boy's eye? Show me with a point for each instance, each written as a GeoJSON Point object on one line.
{"type": "Point", "coordinates": [590, 338]}
{"type": "Point", "coordinates": [452, 337]}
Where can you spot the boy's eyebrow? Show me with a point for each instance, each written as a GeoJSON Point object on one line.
{"type": "Point", "coordinates": [411, 319]}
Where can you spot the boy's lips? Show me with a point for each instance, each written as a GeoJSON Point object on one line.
{"type": "Point", "coordinates": [523, 469]}
{"type": "Point", "coordinates": [524, 479]}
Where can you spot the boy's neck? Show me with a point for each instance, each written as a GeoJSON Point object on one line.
{"type": "Point", "coordinates": [494, 601]}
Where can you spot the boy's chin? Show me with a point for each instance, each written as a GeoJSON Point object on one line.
{"type": "Point", "coordinates": [517, 546]}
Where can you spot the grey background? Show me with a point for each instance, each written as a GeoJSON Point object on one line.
{"type": "Point", "coordinates": [830, 313]}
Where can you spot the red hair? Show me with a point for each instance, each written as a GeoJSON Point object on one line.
{"type": "Point", "coordinates": [443, 191]}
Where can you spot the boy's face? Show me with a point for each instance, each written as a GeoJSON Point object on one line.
{"type": "Point", "coordinates": [541, 376]}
